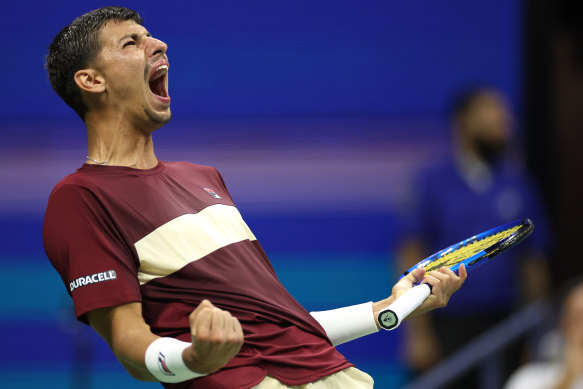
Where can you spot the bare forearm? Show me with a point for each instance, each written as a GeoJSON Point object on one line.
{"type": "Point", "coordinates": [128, 336]}
{"type": "Point", "coordinates": [216, 338]}
{"type": "Point", "coordinates": [130, 350]}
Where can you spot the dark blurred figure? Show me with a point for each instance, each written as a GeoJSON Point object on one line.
{"type": "Point", "coordinates": [479, 186]}
{"type": "Point", "coordinates": [564, 367]}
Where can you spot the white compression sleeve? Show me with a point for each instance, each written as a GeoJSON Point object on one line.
{"type": "Point", "coordinates": [345, 324]}
{"type": "Point", "coordinates": [164, 360]}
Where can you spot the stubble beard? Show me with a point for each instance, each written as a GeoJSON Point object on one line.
{"type": "Point", "coordinates": [158, 118]}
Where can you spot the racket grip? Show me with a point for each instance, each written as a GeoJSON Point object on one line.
{"type": "Point", "coordinates": [392, 316]}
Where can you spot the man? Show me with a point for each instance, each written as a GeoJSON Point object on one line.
{"type": "Point", "coordinates": [154, 254]}
{"type": "Point", "coordinates": [566, 370]}
{"type": "Point", "coordinates": [475, 188]}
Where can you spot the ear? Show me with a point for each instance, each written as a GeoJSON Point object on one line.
{"type": "Point", "coordinates": [89, 80]}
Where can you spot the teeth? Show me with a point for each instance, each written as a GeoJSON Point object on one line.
{"type": "Point", "coordinates": [160, 71]}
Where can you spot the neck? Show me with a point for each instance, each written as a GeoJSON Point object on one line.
{"type": "Point", "coordinates": [119, 144]}
{"type": "Point", "coordinates": [475, 172]}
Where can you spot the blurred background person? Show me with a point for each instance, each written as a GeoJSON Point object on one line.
{"type": "Point", "coordinates": [563, 368]}
{"type": "Point", "coordinates": [481, 184]}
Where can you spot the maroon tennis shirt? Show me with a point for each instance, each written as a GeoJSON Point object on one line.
{"type": "Point", "coordinates": [171, 237]}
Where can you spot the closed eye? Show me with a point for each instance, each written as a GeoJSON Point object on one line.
{"type": "Point", "coordinates": [133, 38]}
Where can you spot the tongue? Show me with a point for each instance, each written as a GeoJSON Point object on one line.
{"type": "Point", "coordinates": [157, 86]}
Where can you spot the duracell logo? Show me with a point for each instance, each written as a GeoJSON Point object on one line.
{"type": "Point", "coordinates": [92, 279]}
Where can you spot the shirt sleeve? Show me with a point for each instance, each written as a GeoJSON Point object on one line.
{"type": "Point", "coordinates": [88, 250]}
{"type": "Point", "coordinates": [345, 324]}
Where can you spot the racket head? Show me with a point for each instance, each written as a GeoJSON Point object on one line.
{"type": "Point", "coordinates": [478, 249]}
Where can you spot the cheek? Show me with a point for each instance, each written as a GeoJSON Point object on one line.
{"type": "Point", "coordinates": [127, 83]}
{"type": "Point", "coordinates": [124, 71]}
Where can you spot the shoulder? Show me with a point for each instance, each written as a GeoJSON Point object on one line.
{"type": "Point", "coordinates": [84, 191]}
{"type": "Point", "coordinates": [438, 168]}
{"type": "Point", "coordinates": [189, 168]}
{"type": "Point", "coordinates": [518, 173]}
{"type": "Point", "coordinates": [74, 183]}
{"type": "Point", "coordinates": [190, 172]}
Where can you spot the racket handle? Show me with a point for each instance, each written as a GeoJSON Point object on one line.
{"type": "Point", "coordinates": [392, 316]}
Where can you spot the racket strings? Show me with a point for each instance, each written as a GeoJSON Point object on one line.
{"type": "Point", "coordinates": [468, 250]}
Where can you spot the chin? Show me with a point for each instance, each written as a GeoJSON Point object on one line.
{"type": "Point", "coordinates": [158, 117]}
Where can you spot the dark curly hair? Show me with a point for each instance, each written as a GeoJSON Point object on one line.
{"type": "Point", "coordinates": [75, 47]}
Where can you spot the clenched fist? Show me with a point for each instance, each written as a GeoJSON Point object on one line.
{"type": "Point", "coordinates": [216, 338]}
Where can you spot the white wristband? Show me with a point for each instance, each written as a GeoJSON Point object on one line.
{"type": "Point", "coordinates": [345, 324]}
{"type": "Point", "coordinates": [164, 361]}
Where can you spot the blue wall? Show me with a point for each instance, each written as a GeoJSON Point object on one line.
{"type": "Point", "coordinates": [316, 113]}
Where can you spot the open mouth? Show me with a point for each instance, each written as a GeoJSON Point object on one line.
{"type": "Point", "coordinates": [158, 81]}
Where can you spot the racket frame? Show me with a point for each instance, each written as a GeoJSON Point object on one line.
{"type": "Point", "coordinates": [481, 257]}
{"type": "Point", "coordinates": [392, 316]}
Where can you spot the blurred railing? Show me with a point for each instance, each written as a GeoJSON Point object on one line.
{"type": "Point", "coordinates": [485, 353]}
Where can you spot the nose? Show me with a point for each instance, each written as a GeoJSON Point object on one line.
{"type": "Point", "coordinates": [155, 47]}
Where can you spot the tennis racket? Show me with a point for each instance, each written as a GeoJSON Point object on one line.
{"type": "Point", "coordinates": [472, 252]}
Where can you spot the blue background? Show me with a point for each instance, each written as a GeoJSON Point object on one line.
{"type": "Point", "coordinates": [317, 113]}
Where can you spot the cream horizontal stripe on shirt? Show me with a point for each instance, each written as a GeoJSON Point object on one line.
{"type": "Point", "coordinates": [189, 238]}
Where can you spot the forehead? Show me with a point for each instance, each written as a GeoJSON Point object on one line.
{"type": "Point", "coordinates": [489, 107]}
{"type": "Point", "coordinates": [488, 100]}
{"type": "Point", "coordinates": [114, 30]}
